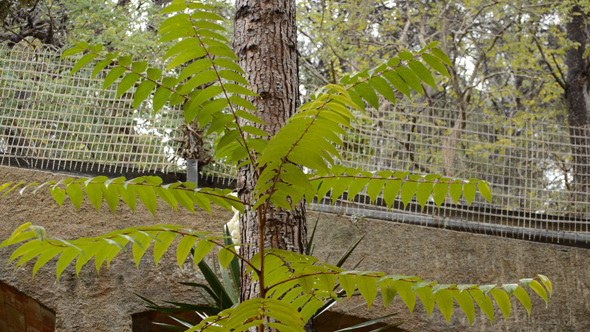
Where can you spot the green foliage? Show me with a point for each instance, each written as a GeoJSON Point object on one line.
{"type": "Point", "coordinates": [210, 85]}
{"type": "Point", "coordinates": [297, 285]}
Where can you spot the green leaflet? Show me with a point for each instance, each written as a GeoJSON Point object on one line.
{"type": "Point", "coordinates": [160, 98]}
{"type": "Point", "coordinates": [225, 257]}
{"type": "Point", "coordinates": [75, 193]}
{"type": "Point", "coordinates": [58, 194]}
{"type": "Point", "coordinates": [183, 249]}
{"type": "Point", "coordinates": [102, 64]}
{"type": "Point", "coordinates": [484, 303]}
{"type": "Point", "coordinates": [469, 192]}
{"type": "Point", "coordinates": [374, 188]}
{"type": "Point", "coordinates": [126, 83]}
{"type": "Point", "coordinates": [397, 82]}
{"type": "Point", "coordinates": [439, 193]}
{"type": "Point", "coordinates": [435, 63]}
{"type": "Point", "coordinates": [524, 299]}
{"type": "Point", "coordinates": [404, 289]}
{"type": "Point", "coordinates": [94, 194]}
{"type": "Point", "coordinates": [422, 72]}
{"type": "Point", "coordinates": [502, 301]}
{"type": "Point", "coordinates": [367, 93]}
{"type": "Point", "coordinates": [388, 293]}
{"type": "Point", "coordinates": [347, 282]}
{"type": "Point", "coordinates": [546, 282]}
{"type": "Point", "coordinates": [444, 301]}
{"type": "Point", "coordinates": [201, 250]}
{"type": "Point", "coordinates": [356, 186]}
{"type": "Point", "coordinates": [83, 62]}
{"type": "Point", "coordinates": [112, 76]}
{"type": "Point", "coordinates": [441, 56]}
{"type": "Point", "coordinates": [45, 257]}
{"type": "Point", "coordinates": [484, 190]}
{"type": "Point", "coordinates": [426, 297]}
{"type": "Point", "coordinates": [383, 87]}
{"type": "Point", "coordinates": [161, 244]}
{"type": "Point", "coordinates": [456, 190]}
{"type": "Point", "coordinates": [72, 51]}
{"type": "Point", "coordinates": [423, 193]}
{"type": "Point", "coordinates": [141, 242]}
{"type": "Point", "coordinates": [147, 195]}
{"type": "Point", "coordinates": [142, 92]}
{"type": "Point", "coordinates": [66, 257]}
{"type": "Point", "coordinates": [407, 192]}
{"type": "Point", "coordinates": [410, 78]}
{"type": "Point", "coordinates": [465, 301]}
{"type": "Point", "coordinates": [538, 288]}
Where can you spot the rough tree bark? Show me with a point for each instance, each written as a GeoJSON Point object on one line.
{"type": "Point", "coordinates": [577, 96]}
{"type": "Point", "coordinates": [265, 40]}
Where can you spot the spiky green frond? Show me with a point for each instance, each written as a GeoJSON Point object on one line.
{"type": "Point", "coordinates": [147, 188]}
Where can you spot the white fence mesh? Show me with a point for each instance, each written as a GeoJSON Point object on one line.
{"type": "Point", "coordinates": [46, 116]}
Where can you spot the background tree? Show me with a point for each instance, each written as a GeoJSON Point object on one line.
{"type": "Point", "coordinates": [577, 96]}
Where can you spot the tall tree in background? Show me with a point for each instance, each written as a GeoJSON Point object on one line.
{"type": "Point", "coordinates": [265, 40]}
{"type": "Point", "coordinates": [577, 96]}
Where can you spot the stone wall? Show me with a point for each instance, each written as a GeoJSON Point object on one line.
{"type": "Point", "coordinates": [106, 301]}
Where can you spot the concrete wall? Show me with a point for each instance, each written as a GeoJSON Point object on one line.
{"type": "Point", "coordinates": [106, 302]}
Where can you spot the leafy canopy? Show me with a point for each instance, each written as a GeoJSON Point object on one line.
{"type": "Point", "coordinates": [202, 74]}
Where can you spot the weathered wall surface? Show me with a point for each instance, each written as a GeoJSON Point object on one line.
{"type": "Point", "coordinates": [456, 257]}
{"type": "Point", "coordinates": [105, 301]}
{"type": "Point", "coordinates": [94, 302]}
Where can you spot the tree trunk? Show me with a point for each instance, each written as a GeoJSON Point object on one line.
{"type": "Point", "coordinates": [265, 40]}
{"type": "Point", "coordinates": [577, 95]}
